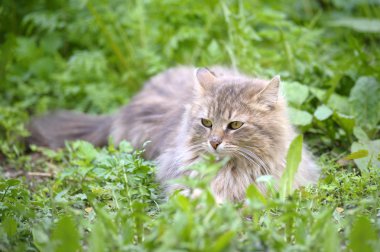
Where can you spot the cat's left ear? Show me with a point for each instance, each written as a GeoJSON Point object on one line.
{"type": "Point", "coordinates": [205, 79]}
{"type": "Point", "coordinates": [269, 95]}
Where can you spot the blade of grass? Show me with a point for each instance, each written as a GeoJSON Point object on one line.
{"type": "Point", "coordinates": [293, 160]}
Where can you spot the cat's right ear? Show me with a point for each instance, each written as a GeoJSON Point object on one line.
{"type": "Point", "coordinates": [205, 79]}
{"type": "Point", "coordinates": [269, 95]}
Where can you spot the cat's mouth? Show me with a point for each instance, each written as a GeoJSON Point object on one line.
{"type": "Point", "coordinates": [220, 156]}
{"type": "Point", "coordinates": [221, 152]}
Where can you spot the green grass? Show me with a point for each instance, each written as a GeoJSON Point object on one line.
{"type": "Point", "coordinates": [92, 56]}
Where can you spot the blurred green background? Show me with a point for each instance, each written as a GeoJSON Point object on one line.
{"type": "Point", "coordinates": [92, 56]}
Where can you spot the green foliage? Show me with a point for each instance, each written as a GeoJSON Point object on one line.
{"type": "Point", "coordinates": [372, 148]}
{"type": "Point", "coordinates": [359, 24]}
{"type": "Point", "coordinates": [363, 237]}
{"type": "Point", "coordinates": [293, 160]}
{"type": "Point", "coordinates": [92, 56]}
{"type": "Point", "coordinates": [364, 99]}
{"type": "Point", "coordinates": [323, 112]}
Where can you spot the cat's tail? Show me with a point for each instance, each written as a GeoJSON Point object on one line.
{"type": "Point", "coordinates": [54, 129]}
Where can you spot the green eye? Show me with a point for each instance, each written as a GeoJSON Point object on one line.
{"type": "Point", "coordinates": [207, 123]}
{"type": "Point", "coordinates": [235, 125]}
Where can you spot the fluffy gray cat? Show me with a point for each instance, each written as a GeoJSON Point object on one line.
{"type": "Point", "coordinates": [186, 113]}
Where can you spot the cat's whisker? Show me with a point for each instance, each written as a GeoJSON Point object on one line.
{"type": "Point", "coordinates": [263, 164]}
{"type": "Point", "coordinates": [193, 150]}
{"type": "Point", "coordinates": [251, 150]}
{"type": "Point", "coordinates": [196, 146]}
{"type": "Point", "coordinates": [249, 155]}
{"type": "Point", "coordinates": [248, 158]}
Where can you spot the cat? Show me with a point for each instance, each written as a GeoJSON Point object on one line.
{"type": "Point", "coordinates": [185, 113]}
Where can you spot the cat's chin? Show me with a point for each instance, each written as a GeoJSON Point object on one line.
{"type": "Point", "coordinates": [220, 155]}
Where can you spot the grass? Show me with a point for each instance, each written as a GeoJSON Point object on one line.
{"type": "Point", "coordinates": [61, 54]}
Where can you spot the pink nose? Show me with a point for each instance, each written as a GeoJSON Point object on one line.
{"type": "Point", "coordinates": [215, 142]}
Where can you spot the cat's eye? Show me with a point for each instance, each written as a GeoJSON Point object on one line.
{"type": "Point", "coordinates": [207, 123]}
{"type": "Point", "coordinates": [235, 125]}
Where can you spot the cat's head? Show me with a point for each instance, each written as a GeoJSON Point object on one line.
{"type": "Point", "coordinates": [237, 116]}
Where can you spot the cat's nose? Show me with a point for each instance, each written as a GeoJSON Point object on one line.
{"type": "Point", "coordinates": [215, 142]}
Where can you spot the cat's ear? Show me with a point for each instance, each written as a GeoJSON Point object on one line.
{"type": "Point", "coordinates": [269, 95]}
{"type": "Point", "coordinates": [205, 79]}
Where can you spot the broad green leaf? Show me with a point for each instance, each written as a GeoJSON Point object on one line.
{"type": "Point", "coordinates": [320, 220]}
{"type": "Point", "coordinates": [41, 239]}
{"type": "Point", "coordinates": [295, 92]}
{"type": "Point", "coordinates": [299, 117]}
{"type": "Point", "coordinates": [365, 25]}
{"type": "Point", "coordinates": [365, 102]}
{"type": "Point", "coordinates": [293, 160]}
{"type": "Point", "coordinates": [362, 235]}
{"type": "Point", "coordinates": [98, 237]}
{"type": "Point", "coordinates": [373, 148]}
{"type": "Point", "coordinates": [66, 235]}
{"type": "Point", "coordinates": [10, 226]}
{"type": "Point", "coordinates": [13, 182]}
{"type": "Point", "coordinates": [344, 121]}
{"type": "Point", "coordinates": [334, 101]}
{"type": "Point", "coordinates": [360, 134]}
{"type": "Point", "coordinates": [331, 242]}
{"type": "Point", "coordinates": [319, 93]}
{"type": "Point", "coordinates": [339, 103]}
{"type": "Point", "coordinates": [323, 112]}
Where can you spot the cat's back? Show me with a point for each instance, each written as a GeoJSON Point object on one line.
{"type": "Point", "coordinates": [154, 114]}
{"type": "Point", "coordinates": [175, 82]}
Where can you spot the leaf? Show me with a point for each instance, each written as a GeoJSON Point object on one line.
{"type": "Point", "coordinates": [125, 147]}
{"type": "Point", "coordinates": [40, 238]}
{"type": "Point", "coordinates": [334, 101]}
{"type": "Point", "coordinates": [293, 160]}
{"type": "Point", "coordinates": [331, 241]}
{"type": "Point", "coordinates": [98, 237]}
{"type": "Point", "coordinates": [85, 150]}
{"type": "Point", "coordinates": [339, 103]}
{"type": "Point", "coordinates": [323, 112]}
{"type": "Point", "coordinates": [362, 235]}
{"type": "Point", "coordinates": [365, 102]}
{"type": "Point", "coordinates": [10, 226]}
{"type": "Point", "coordinates": [319, 93]}
{"type": "Point", "coordinates": [254, 194]}
{"type": "Point", "coordinates": [295, 92]}
{"type": "Point", "coordinates": [357, 154]}
{"type": "Point", "coordinates": [65, 235]}
{"type": "Point", "coordinates": [299, 117]}
{"type": "Point", "coordinates": [222, 241]}
{"type": "Point", "coordinates": [345, 121]}
{"type": "Point", "coordinates": [360, 134]}
{"type": "Point", "coordinates": [13, 182]}
{"type": "Point", "coordinates": [373, 148]}
{"type": "Point", "coordinates": [60, 197]}
{"type": "Point", "coordinates": [365, 25]}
